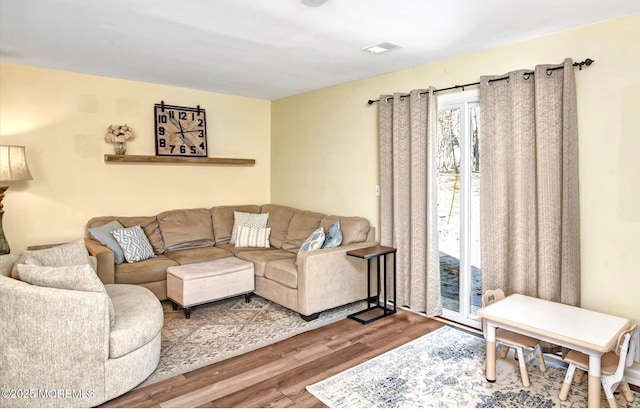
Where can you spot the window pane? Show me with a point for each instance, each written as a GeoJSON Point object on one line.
{"type": "Point", "coordinates": [474, 224]}
{"type": "Point", "coordinates": [448, 159]}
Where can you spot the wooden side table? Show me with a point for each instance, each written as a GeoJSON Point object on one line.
{"type": "Point", "coordinates": [376, 311]}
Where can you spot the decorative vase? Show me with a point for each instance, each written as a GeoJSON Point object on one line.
{"type": "Point", "coordinates": [121, 148]}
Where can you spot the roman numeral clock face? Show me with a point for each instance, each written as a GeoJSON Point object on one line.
{"type": "Point", "coordinates": [180, 131]}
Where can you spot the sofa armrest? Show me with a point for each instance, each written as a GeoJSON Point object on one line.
{"type": "Point", "coordinates": [51, 338]}
{"type": "Point", "coordinates": [328, 278]}
{"type": "Point", "coordinates": [105, 267]}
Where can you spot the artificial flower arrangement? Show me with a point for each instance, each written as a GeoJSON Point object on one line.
{"type": "Point", "coordinates": [119, 135]}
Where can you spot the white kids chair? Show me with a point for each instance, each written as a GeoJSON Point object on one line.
{"type": "Point", "coordinates": [613, 365]}
{"type": "Point", "coordinates": [506, 339]}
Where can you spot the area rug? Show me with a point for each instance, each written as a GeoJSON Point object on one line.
{"type": "Point", "coordinates": [227, 328]}
{"type": "Point", "coordinates": [443, 369]}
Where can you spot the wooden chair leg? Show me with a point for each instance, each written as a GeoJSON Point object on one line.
{"type": "Point", "coordinates": [608, 386]}
{"type": "Point", "coordinates": [541, 364]}
{"type": "Point", "coordinates": [579, 376]}
{"type": "Point", "coordinates": [523, 368]}
{"type": "Point", "coordinates": [504, 351]}
{"type": "Point", "coordinates": [626, 391]}
{"type": "Point", "coordinates": [566, 385]}
{"type": "Point", "coordinates": [612, 402]}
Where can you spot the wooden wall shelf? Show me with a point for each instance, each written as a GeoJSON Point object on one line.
{"type": "Point", "coordinates": [170, 159]}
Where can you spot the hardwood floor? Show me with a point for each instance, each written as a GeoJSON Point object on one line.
{"type": "Point", "coordinates": [276, 375]}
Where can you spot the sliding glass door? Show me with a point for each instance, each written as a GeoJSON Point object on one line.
{"type": "Point", "coordinates": [459, 206]}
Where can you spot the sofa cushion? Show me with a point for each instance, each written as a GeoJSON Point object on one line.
{"type": "Point", "coordinates": [279, 219]}
{"type": "Point", "coordinates": [103, 235]}
{"type": "Point", "coordinates": [139, 318]}
{"type": "Point", "coordinates": [301, 227]}
{"type": "Point", "coordinates": [354, 229]}
{"type": "Point", "coordinates": [149, 225]}
{"type": "Point", "coordinates": [257, 220]}
{"type": "Point", "coordinates": [147, 271]}
{"type": "Point", "coordinates": [197, 255]}
{"type": "Point", "coordinates": [260, 258]}
{"type": "Point", "coordinates": [222, 217]}
{"type": "Point", "coordinates": [234, 250]}
{"type": "Point", "coordinates": [134, 244]}
{"type": "Point", "coordinates": [283, 271]}
{"type": "Point", "coordinates": [186, 228]}
{"type": "Point", "coordinates": [253, 237]}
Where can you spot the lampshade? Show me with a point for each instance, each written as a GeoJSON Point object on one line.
{"type": "Point", "coordinates": [13, 164]}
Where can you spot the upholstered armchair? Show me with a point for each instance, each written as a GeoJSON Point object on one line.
{"type": "Point", "coordinates": [60, 348]}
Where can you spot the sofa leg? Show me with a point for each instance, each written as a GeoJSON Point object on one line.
{"type": "Point", "coordinates": [175, 305]}
{"type": "Point", "coordinates": [247, 297]}
{"type": "Point", "coordinates": [309, 317]}
{"type": "Point", "coordinates": [187, 313]}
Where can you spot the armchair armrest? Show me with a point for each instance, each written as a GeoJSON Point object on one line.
{"type": "Point", "coordinates": [328, 278]}
{"type": "Point", "coordinates": [105, 260]}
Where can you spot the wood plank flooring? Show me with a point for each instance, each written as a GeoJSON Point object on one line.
{"type": "Point", "coordinates": [276, 375]}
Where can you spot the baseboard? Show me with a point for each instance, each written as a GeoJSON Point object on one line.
{"type": "Point", "coordinates": [633, 376]}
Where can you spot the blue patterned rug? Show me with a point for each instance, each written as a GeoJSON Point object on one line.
{"type": "Point", "coordinates": [443, 369]}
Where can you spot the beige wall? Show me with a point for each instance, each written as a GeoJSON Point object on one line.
{"type": "Point", "coordinates": [62, 117]}
{"type": "Point", "coordinates": [315, 151]}
{"type": "Point", "coordinates": [324, 145]}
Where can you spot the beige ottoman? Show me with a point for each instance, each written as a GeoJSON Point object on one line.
{"type": "Point", "coordinates": [197, 283]}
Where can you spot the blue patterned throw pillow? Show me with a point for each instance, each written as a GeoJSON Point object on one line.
{"type": "Point", "coordinates": [313, 242]}
{"type": "Point", "coordinates": [134, 243]}
{"type": "Point", "coordinates": [333, 237]}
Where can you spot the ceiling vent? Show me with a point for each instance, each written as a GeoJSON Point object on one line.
{"type": "Point", "coordinates": [313, 3]}
{"type": "Point", "coordinates": [381, 48]}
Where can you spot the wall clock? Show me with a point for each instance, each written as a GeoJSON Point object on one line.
{"type": "Point", "coordinates": [180, 131]}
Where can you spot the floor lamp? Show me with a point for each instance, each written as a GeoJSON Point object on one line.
{"type": "Point", "coordinates": [13, 168]}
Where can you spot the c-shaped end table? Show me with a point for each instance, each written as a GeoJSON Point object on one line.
{"type": "Point", "coordinates": [376, 311]}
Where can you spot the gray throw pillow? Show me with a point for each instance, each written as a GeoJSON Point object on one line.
{"type": "Point", "coordinates": [103, 235]}
{"type": "Point", "coordinates": [76, 277]}
{"type": "Point", "coordinates": [134, 244]}
{"type": "Point", "coordinates": [333, 237]}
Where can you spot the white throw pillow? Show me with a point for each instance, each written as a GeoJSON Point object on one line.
{"type": "Point", "coordinates": [76, 277]}
{"type": "Point", "coordinates": [72, 253]}
{"type": "Point", "coordinates": [257, 220]}
{"type": "Point", "coordinates": [253, 237]}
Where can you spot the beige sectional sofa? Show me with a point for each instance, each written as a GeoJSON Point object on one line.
{"type": "Point", "coordinates": [321, 279]}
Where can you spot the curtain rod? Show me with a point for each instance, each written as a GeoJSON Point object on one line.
{"type": "Point", "coordinates": [586, 62]}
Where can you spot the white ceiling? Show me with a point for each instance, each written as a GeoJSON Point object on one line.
{"type": "Point", "coordinates": [270, 49]}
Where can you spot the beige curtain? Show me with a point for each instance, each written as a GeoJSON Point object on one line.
{"type": "Point", "coordinates": [529, 212]}
{"type": "Point", "coordinates": [408, 205]}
